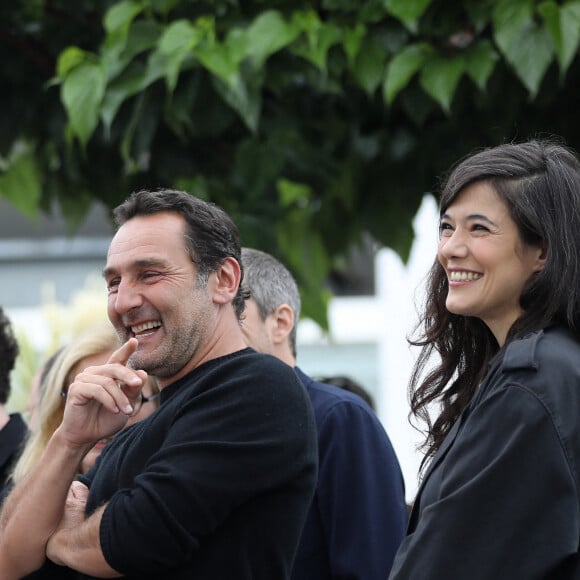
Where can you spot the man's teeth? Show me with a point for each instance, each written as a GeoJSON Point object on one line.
{"type": "Point", "coordinates": [464, 276]}
{"type": "Point", "coordinates": [145, 326]}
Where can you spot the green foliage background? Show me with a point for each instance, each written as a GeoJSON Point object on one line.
{"type": "Point", "coordinates": [312, 123]}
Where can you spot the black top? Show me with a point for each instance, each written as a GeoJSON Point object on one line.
{"type": "Point", "coordinates": [12, 438]}
{"type": "Point", "coordinates": [501, 498]}
{"type": "Point", "coordinates": [217, 482]}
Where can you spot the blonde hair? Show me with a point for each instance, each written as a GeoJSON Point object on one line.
{"type": "Point", "coordinates": [98, 339]}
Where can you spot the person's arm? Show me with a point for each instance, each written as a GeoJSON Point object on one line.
{"type": "Point", "coordinates": [33, 509]}
{"type": "Point", "coordinates": [96, 407]}
{"type": "Point", "coordinates": [76, 542]}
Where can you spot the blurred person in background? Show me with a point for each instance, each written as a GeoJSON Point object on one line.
{"type": "Point", "coordinates": [36, 390]}
{"type": "Point", "coordinates": [350, 385]}
{"type": "Point", "coordinates": [13, 428]}
{"type": "Point", "coordinates": [358, 516]}
{"type": "Point", "coordinates": [94, 346]}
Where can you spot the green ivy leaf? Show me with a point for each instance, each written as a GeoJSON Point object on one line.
{"type": "Point", "coordinates": [480, 60]}
{"type": "Point", "coordinates": [407, 11]}
{"type": "Point", "coordinates": [217, 58]}
{"type": "Point", "coordinates": [291, 193]}
{"type": "Point", "coordinates": [570, 16]}
{"type": "Point", "coordinates": [180, 36]}
{"type": "Point", "coordinates": [243, 94]}
{"type": "Point", "coordinates": [439, 79]}
{"type": "Point", "coordinates": [352, 41]}
{"type": "Point", "coordinates": [268, 34]}
{"type": "Point", "coordinates": [563, 23]}
{"type": "Point", "coordinates": [68, 59]}
{"type": "Point", "coordinates": [120, 15]}
{"type": "Point", "coordinates": [176, 43]}
{"type": "Point", "coordinates": [403, 67]}
{"type": "Point", "coordinates": [131, 82]}
{"type": "Point", "coordinates": [320, 37]}
{"type": "Point", "coordinates": [82, 93]}
{"type": "Point", "coordinates": [117, 53]}
{"type": "Point", "coordinates": [236, 43]}
{"type": "Point", "coordinates": [369, 66]}
{"type": "Point", "coordinates": [315, 302]}
{"type": "Point", "coordinates": [20, 182]}
{"type": "Point", "coordinates": [529, 50]}
{"type": "Point", "coordinates": [509, 16]}
{"type": "Point", "coordinates": [156, 68]}
{"type": "Point", "coordinates": [117, 22]}
{"type": "Point", "coordinates": [303, 249]}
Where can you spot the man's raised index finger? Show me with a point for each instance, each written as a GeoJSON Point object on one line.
{"type": "Point", "coordinates": [122, 354]}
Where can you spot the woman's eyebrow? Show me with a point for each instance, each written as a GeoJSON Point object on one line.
{"type": "Point", "coordinates": [472, 217]}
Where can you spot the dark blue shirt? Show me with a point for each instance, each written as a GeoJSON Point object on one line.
{"type": "Point", "coordinates": [358, 516]}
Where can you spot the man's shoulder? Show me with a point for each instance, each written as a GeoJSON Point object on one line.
{"type": "Point", "coordinates": [326, 397]}
{"type": "Point", "coordinates": [261, 363]}
{"type": "Point", "coordinates": [249, 367]}
{"type": "Point", "coordinates": [246, 358]}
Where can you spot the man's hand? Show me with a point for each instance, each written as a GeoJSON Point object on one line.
{"type": "Point", "coordinates": [101, 398]}
{"type": "Point", "coordinates": [73, 516]}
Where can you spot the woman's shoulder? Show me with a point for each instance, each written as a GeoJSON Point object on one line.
{"type": "Point", "coordinates": [546, 364]}
{"type": "Point", "coordinates": [552, 349]}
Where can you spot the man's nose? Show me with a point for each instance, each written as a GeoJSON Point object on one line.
{"type": "Point", "coordinates": [127, 297]}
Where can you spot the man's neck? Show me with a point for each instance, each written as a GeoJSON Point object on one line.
{"type": "Point", "coordinates": [226, 339]}
{"type": "Point", "coordinates": [284, 353]}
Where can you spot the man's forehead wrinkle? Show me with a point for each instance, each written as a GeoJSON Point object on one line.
{"type": "Point", "coordinates": [145, 242]}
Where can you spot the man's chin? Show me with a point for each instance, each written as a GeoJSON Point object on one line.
{"type": "Point", "coordinates": [143, 363]}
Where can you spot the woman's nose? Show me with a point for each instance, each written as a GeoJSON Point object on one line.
{"type": "Point", "coordinates": [454, 245]}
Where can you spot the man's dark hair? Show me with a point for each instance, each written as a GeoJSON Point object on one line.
{"type": "Point", "coordinates": [210, 237]}
{"type": "Point", "coordinates": [8, 353]}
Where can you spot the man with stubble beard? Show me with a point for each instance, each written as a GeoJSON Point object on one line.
{"type": "Point", "coordinates": [214, 485]}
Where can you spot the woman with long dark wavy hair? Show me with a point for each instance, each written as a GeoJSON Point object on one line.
{"type": "Point", "coordinates": [500, 362]}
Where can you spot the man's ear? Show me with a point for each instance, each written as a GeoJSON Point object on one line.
{"type": "Point", "coordinates": [283, 319]}
{"type": "Point", "coordinates": [227, 281]}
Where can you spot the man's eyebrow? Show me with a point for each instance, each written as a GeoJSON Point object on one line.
{"type": "Point", "coordinates": [107, 272]}
{"type": "Point", "coordinates": [137, 265]}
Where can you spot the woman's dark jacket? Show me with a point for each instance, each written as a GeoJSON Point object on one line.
{"type": "Point", "coordinates": [501, 497]}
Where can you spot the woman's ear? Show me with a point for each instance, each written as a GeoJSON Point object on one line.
{"type": "Point", "coordinates": [227, 281]}
{"type": "Point", "coordinates": [541, 260]}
